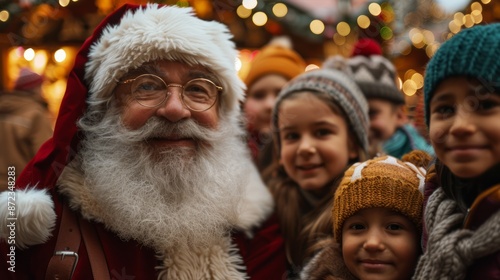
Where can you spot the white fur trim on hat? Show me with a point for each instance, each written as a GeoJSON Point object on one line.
{"type": "Point", "coordinates": [156, 32]}
{"type": "Point", "coordinates": [32, 220]}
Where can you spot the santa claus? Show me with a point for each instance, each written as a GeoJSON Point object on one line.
{"type": "Point", "coordinates": [147, 175]}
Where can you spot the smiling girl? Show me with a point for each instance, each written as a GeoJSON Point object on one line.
{"type": "Point", "coordinates": [462, 213]}
{"type": "Point", "coordinates": [320, 128]}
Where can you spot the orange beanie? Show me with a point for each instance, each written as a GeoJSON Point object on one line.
{"type": "Point", "coordinates": [382, 182]}
{"type": "Point", "coordinates": [275, 59]}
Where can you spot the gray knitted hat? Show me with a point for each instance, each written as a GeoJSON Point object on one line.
{"type": "Point", "coordinates": [375, 75]}
{"type": "Point", "coordinates": [343, 91]}
{"type": "Point", "coordinates": [473, 52]}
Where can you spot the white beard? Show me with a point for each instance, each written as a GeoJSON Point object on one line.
{"type": "Point", "coordinates": [165, 198]}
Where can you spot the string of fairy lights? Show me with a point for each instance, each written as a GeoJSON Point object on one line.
{"type": "Point", "coordinates": [260, 12]}
{"type": "Point", "coordinates": [422, 38]}
{"type": "Point", "coordinates": [378, 19]}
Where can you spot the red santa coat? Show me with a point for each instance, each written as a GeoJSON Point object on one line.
{"type": "Point", "coordinates": [263, 254]}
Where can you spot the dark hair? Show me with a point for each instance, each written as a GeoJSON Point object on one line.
{"type": "Point", "coordinates": [465, 190]}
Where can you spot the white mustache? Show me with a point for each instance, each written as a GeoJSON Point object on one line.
{"type": "Point", "coordinates": [184, 129]}
{"type": "Point", "coordinates": [159, 128]}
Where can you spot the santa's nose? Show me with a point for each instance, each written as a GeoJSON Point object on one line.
{"type": "Point", "coordinates": [173, 109]}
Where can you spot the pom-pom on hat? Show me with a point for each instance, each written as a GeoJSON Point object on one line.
{"type": "Point", "coordinates": [382, 182]}
{"type": "Point", "coordinates": [28, 80]}
{"type": "Point", "coordinates": [344, 92]}
{"type": "Point", "coordinates": [472, 52]}
{"type": "Point", "coordinates": [375, 76]}
{"type": "Point", "coordinates": [366, 47]}
{"type": "Point", "coordinates": [275, 58]}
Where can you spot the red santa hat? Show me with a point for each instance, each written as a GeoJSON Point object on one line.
{"type": "Point", "coordinates": [366, 47]}
{"type": "Point", "coordinates": [124, 40]}
{"type": "Point", "coordinates": [28, 80]}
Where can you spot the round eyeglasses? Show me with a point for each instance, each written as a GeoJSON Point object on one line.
{"type": "Point", "coordinates": [151, 91]}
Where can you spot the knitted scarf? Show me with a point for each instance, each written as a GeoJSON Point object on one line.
{"type": "Point", "coordinates": [404, 140]}
{"type": "Point", "coordinates": [450, 248]}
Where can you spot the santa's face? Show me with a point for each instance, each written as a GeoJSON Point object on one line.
{"type": "Point", "coordinates": [172, 80]}
{"type": "Point", "coordinates": [165, 176]}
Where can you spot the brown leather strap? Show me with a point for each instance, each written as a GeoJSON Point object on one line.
{"type": "Point", "coordinates": [96, 253]}
{"type": "Point", "coordinates": [63, 262]}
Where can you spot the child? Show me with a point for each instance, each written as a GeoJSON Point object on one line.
{"type": "Point", "coordinates": [390, 130]}
{"type": "Point", "coordinates": [321, 122]}
{"type": "Point", "coordinates": [377, 221]}
{"type": "Point", "coordinates": [274, 65]}
{"type": "Point", "coordinates": [462, 213]}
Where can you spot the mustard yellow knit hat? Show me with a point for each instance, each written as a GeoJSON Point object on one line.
{"type": "Point", "coordinates": [275, 59]}
{"type": "Point", "coordinates": [380, 182]}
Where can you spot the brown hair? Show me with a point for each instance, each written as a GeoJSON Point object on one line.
{"type": "Point", "coordinates": [303, 224]}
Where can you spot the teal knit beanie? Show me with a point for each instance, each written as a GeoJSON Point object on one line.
{"type": "Point", "coordinates": [473, 52]}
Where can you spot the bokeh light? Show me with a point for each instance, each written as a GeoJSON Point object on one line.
{"type": "Point", "coordinates": [280, 10]}
{"type": "Point", "coordinates": [317, 26]}
{"type": "Point", "coordinates": [259, 18]}
{"type": "Point", "coordinates": [343, 28]}
{"type": "Point", "coordinates": [249, 4]}
{"type": "Point", "coordinates": [29, 54]}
